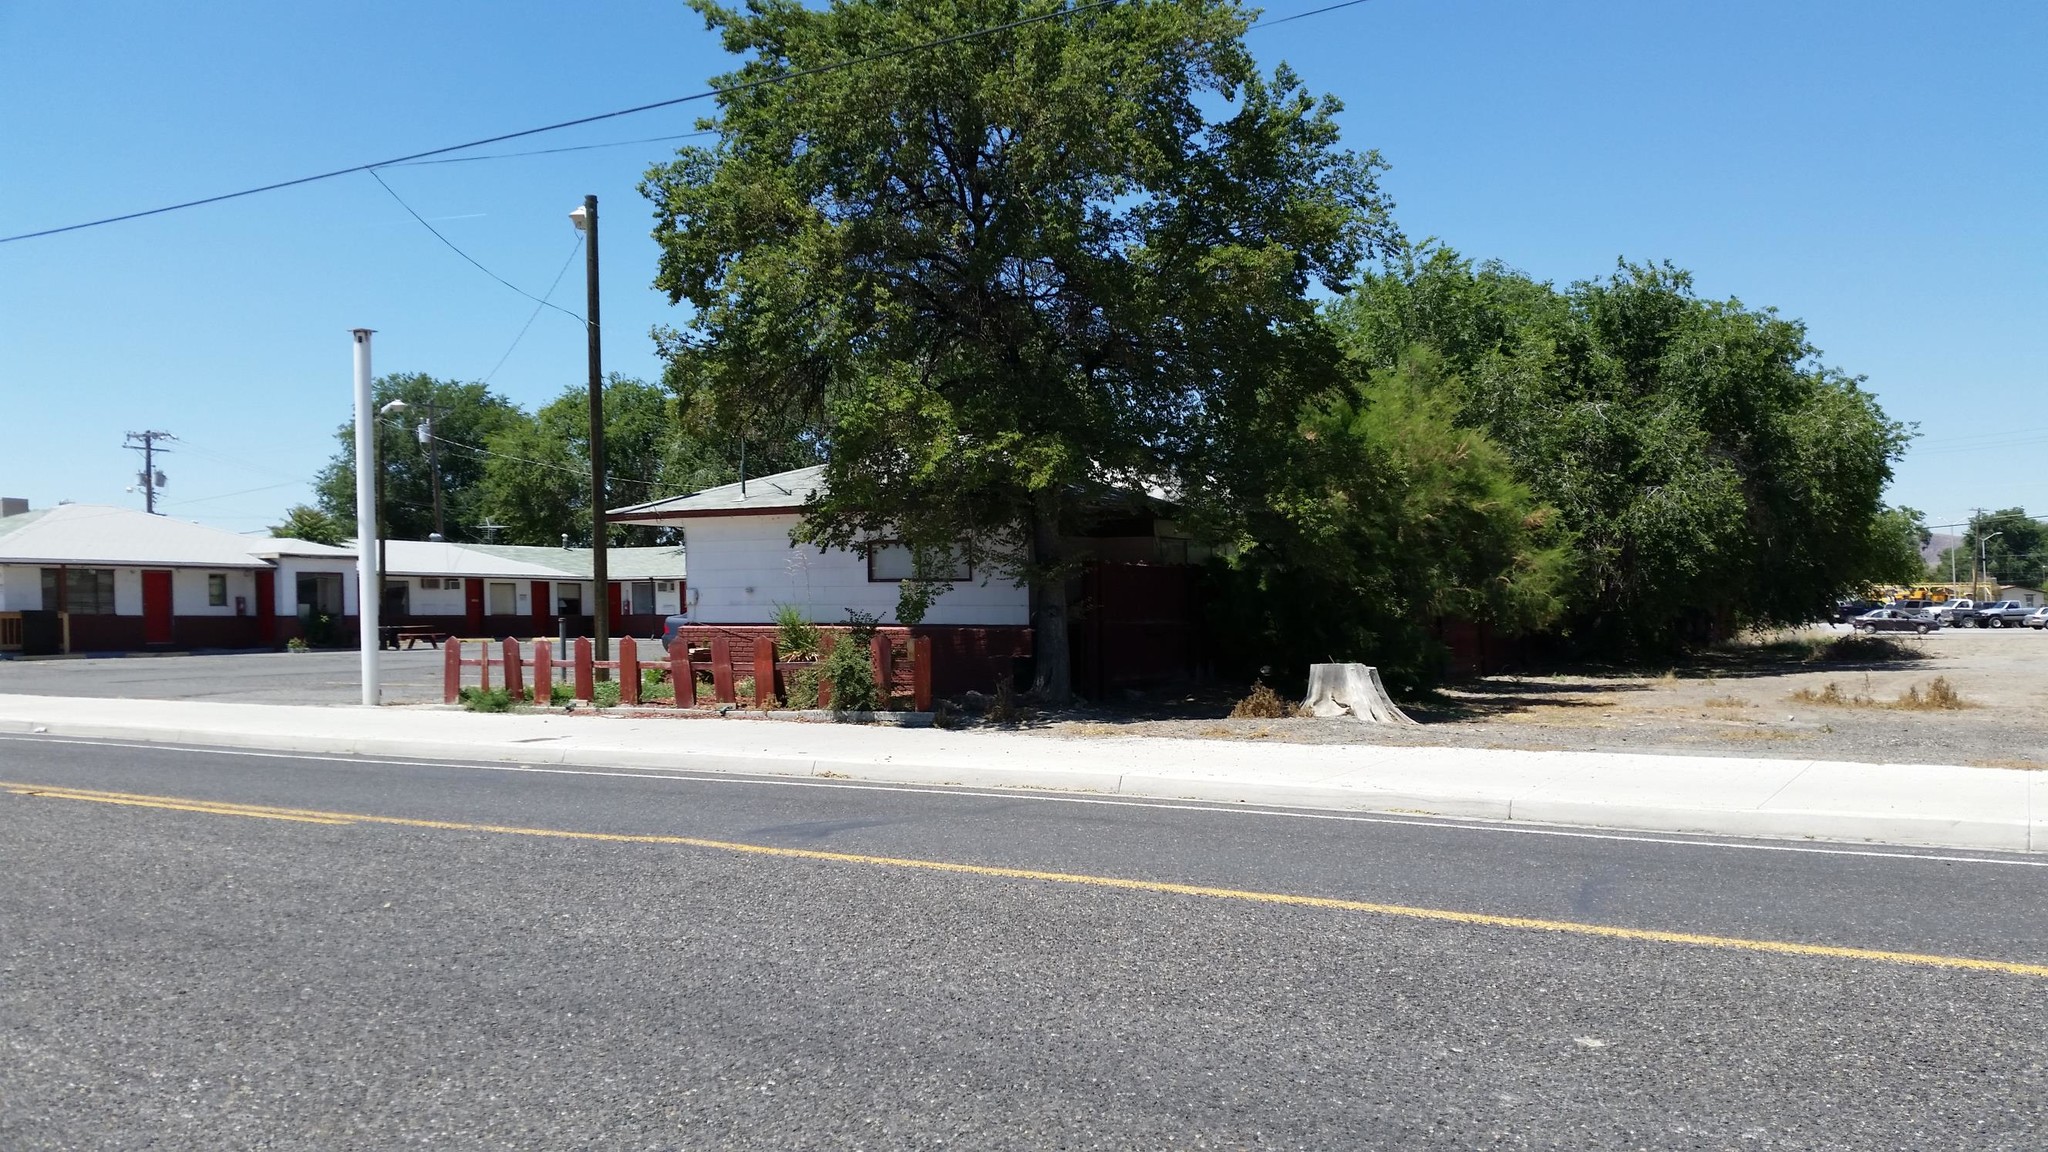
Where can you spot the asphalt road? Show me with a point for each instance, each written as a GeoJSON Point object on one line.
{"type": "Point", "coordinates": [409, 677]}
{"type": "Point", "coordinates": [214, 951]}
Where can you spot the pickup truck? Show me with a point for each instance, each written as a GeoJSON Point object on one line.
{"type": "Point", "coordinates": [1953, 613]}
{"type": "Point", "coordinates": [1998, 614]}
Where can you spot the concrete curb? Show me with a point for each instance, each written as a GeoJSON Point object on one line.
{"type": "Point", "coordinates": [1353, 791]}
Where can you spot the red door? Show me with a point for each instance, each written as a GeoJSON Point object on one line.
{"type": "Point", "coordinates": [266, 605]}
{"type": "Point", "coordinates": [156, 606]}
{"type": "Point", "coordinates": [541, 607]}
{"type": "Point", "coordinates": [473, 604]}
{"type": "Point", "coordinates": [615, 624]}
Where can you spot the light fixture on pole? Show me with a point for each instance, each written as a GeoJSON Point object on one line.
{"type": "Point", "coordinates": [1982, 568]}
{"type": "Point", "coordinates": [367, 576]}
{"type": "Point", "coordinates": [383, 553]}
{"type": "Point", "coordinates": [584, 217]}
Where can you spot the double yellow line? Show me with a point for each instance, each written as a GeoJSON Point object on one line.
{"type": "Point", "coordinates": [1478, 919]}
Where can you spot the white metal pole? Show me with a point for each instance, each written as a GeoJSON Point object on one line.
{"type": "Point", "coordinates": [368, 596]}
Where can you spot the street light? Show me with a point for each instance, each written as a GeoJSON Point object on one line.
{"type": "Point", "coordinates": [1981, 566]}
{"type": "Point", "coordinates": [383, 553]}
{"type": "Point", "coordinates": [584, 216]}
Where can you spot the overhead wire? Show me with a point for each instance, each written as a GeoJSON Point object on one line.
{"type": "Point", "coordinates": [744, 86]}
{"type": "Point", "coordinates": [466, 256]}
{"type": "Point", "coordinates": [535, 314]}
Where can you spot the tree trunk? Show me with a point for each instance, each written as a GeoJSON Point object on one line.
{"type": "Point", "coordinates": [1053, 682]}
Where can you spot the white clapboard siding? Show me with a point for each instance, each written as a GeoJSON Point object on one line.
{"type": "Point", "coordinates": [742, 567]}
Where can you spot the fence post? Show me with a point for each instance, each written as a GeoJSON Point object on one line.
{"type": "Point", "coordinates": [585, 681]}
{"type": "Point", "coordinates": [629, 671]}
{"type": "Point", "coordinates": [483, 665]}
{"type": "Point", "coordinates": [681, 674]}
{"type": "Point", "coordinates": [543, 673]}
{"type": "Point", "coordinates": [921, 673]}
{"type": "Point", "coordinates": [451, 671]}
{"type": "Point", "coordinates": [764, 671]}
{"type": "Point", "coordinates": [882, 655]}
{"type": "Point", "coordinates": [826, 642]}
{"type": "Point", "coordinates": [721, 670]}
{"type": "Point", "coordinates": [515, 684]}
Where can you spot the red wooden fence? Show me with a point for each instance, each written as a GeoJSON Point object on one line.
{"type": "Point", "coordinates": [896, 675]}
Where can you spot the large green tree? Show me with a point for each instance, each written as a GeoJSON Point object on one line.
{"type": "Point", "coordinates": [1710, 469]}
{"type": "Point", "coordinates": [1377, 516]}
{"type": "Point", "coordinates": [536, 481]}
{"type": "Point", "coordinates": [1005, 275]}
{"type": "Point", "coordinates": [2006, 547]}
{"type": "Point", "coordinates": [466, 417]}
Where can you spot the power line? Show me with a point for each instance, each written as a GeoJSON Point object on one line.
{"type": "Point", "coordinates": [747, 86]}
{"type": "Point", "coordinates": [1303, 15]}
{"type": "Point", "coordinates": [535, 314]}
{"type": "Point", "coordinates": [466, 256]}
{"type": "Point", "coordinates": [552, 151]}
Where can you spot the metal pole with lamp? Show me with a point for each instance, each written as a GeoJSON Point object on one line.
{"type": "Point", "coordinates": [383, 553]}
{"type": "Point", "coordinates": [1982, 571]}
{"type": "Point", "coordinates": [368, 577]}
{"type": "Point", "coordinates": [585, 219]}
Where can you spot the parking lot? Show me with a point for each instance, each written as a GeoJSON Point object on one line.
{"type": "Point", "coordinates": [412, 677]}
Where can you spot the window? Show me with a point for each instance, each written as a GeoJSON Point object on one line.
{"type": "Point", "coordinates": [892, 561]}
{"type": "Point", "coordinates": [643, 597]}
{"type": "Point", "coordinates": [216, 590]}
{"type": "Point", "coordinates": [85, 591]}
{"type": "Point", "coordinates": [504, 599]}
{"type": "Point", "coordinates": [319, 594]}
{"type": "Point", "coordinates": [430, 583]}
{"type": "Point", "coordinates": [569, 599]}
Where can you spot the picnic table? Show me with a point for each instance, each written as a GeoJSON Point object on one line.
{"type": "Point", "coordinates": [395, 636]}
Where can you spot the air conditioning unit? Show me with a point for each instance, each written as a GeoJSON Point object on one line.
{"type": "Point", "coordinates": [665, 586]}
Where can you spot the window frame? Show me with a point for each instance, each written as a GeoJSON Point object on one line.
{"type": "Point", "coordinates": [216, 589]}
{"type": "Point", "coordinates": [965, 567]}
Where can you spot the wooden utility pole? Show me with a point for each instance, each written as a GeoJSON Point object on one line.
{"type": "Point", "coordinates": [586, 219]}
{"type": "Point", "coordinates": [150, 479]}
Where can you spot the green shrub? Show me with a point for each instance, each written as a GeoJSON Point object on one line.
{"type": "Point", "coordinates": [802, 688]}
{"type": "Point", "coordinates": [796, 638]}
{"type": "Point", "coordinates": [849, 667]}
{"type": "Point", "coordinates": [654, 684]}
{"type": "Point", "coordinates": [606, 693]}
{"type": "Point", "coordinates": [478, 700]}
{"type": "Point", "coordinates": [558, 693]}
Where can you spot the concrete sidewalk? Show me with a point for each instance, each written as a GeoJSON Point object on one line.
{"type": "Point", "coordinates": [1926, 804]}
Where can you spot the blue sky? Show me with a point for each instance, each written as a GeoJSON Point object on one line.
{"type": "Point", "coordinates": [1875, 169]}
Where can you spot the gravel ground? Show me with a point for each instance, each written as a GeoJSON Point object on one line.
{"type": "Point", "coordinates": [1744, 700]}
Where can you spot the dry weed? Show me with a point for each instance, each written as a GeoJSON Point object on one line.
{"type": "Point", "coordinates": [1941, 696]}
{"type": "Point", "coordinates": [1727, 702]}
{"type": "Point", "coordinates": [1262, 704]}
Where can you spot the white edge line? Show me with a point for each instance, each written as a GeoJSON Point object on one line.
{"type": "Point", "coordinates": [1462, 824]}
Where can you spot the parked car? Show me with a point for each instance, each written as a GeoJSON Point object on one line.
{"type": "Point", "coordinates": [671, 627]}
{"type": "Point", "coordinates": [2038, 618]}
{"type": "Point", "coordinates": [1998, 614]}
{"type": "Point", "coordinates": [1894, 620]}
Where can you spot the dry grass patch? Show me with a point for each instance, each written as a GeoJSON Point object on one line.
{"type": "Point", "coordinates": [1747, 734]}
{"type": "Point", "coordinates": [1727, 702]}
{"type": "Point", "coordinates": [1940, 696]}
{"type": "Point", "coordinates": [2008, 762]}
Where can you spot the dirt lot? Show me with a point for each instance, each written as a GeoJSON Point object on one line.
{"type": "Point", "coordinates": [1768, 697]}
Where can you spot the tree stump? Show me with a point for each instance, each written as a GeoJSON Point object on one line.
{"type": "Point", "coordinates": [1351, 690]}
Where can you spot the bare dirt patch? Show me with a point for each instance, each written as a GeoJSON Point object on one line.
{"type": "Point", "coordinates": [1765, 697]}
